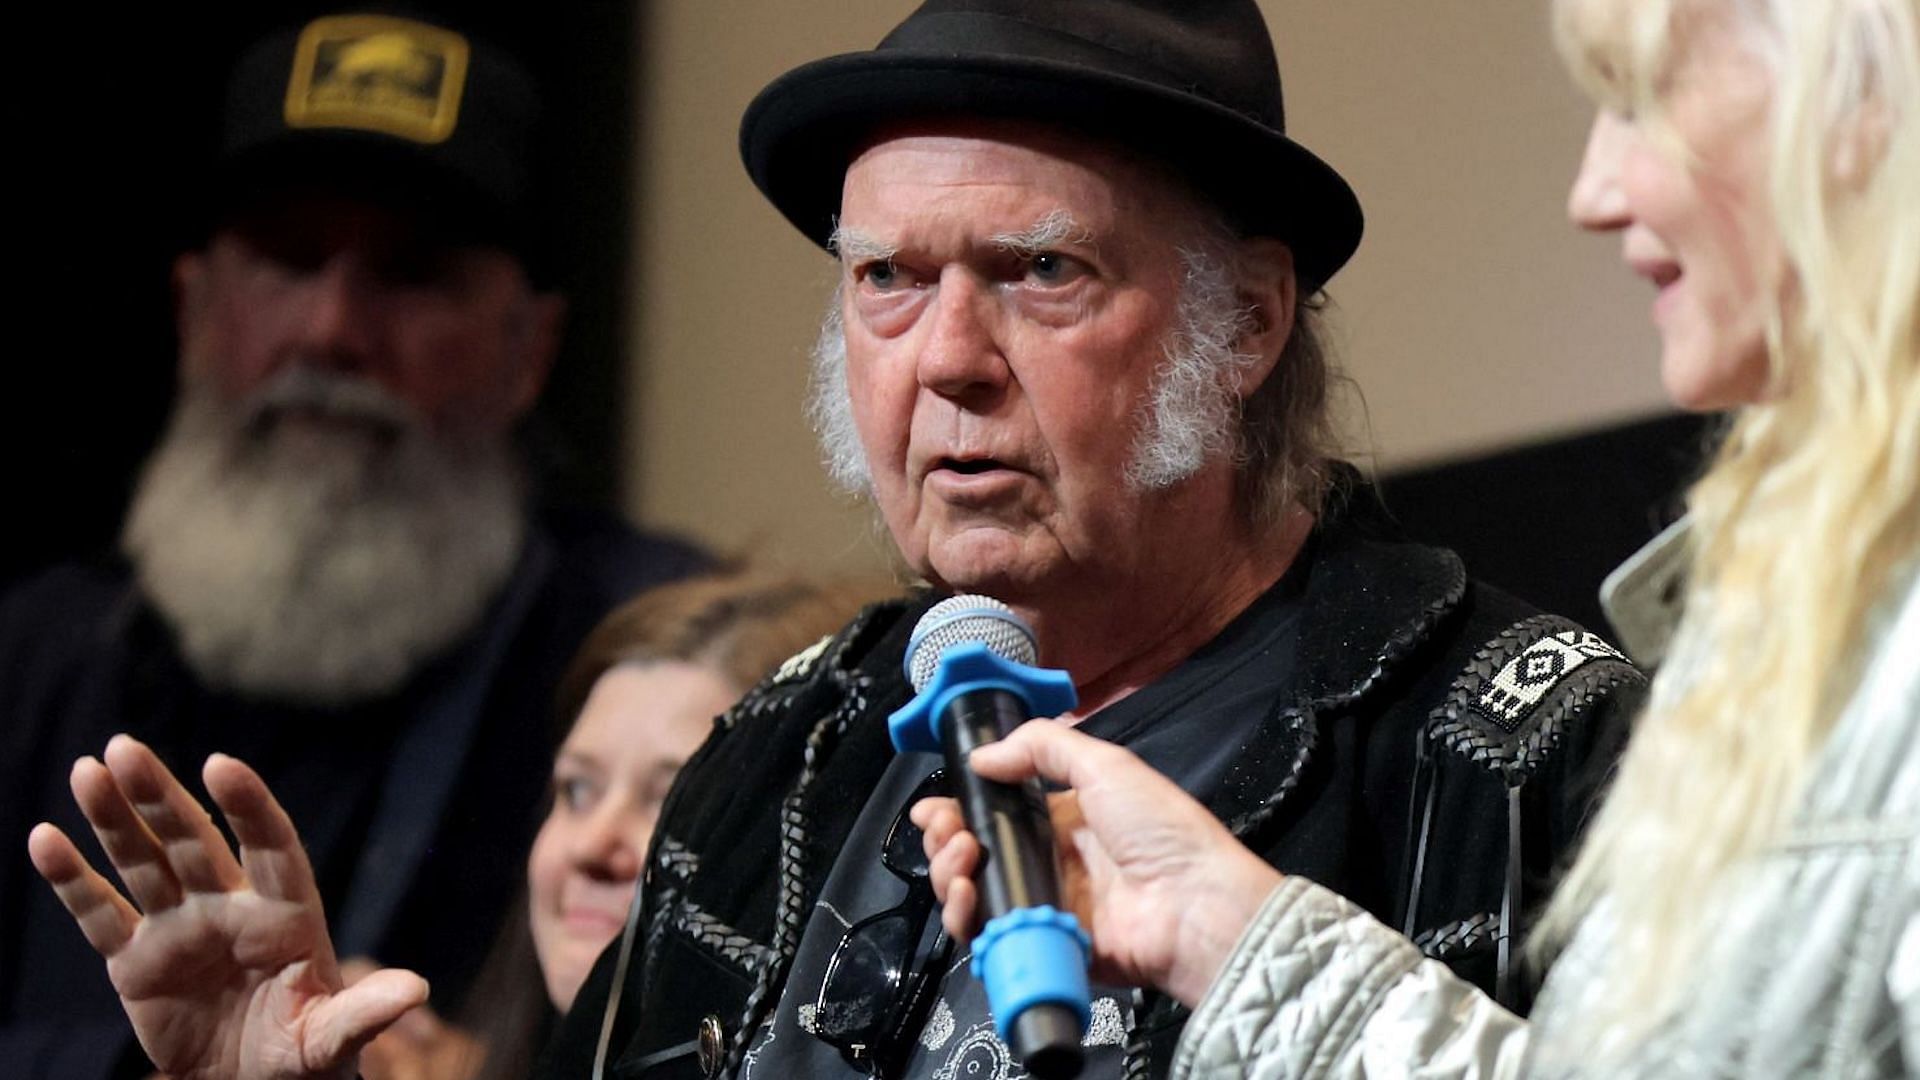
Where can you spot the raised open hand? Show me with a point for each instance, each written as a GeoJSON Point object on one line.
{"type": "Point", "coordinates": [1161, 886]}
{"type": "Point", "coordinates": [223, 964]}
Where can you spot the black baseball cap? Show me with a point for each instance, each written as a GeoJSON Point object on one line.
{"type": "Point", "coordinates": [392, 109]}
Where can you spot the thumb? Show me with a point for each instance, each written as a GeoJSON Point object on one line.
{"type": "Point", "coordinates": [341, 1025]}
{"type": "Point", "coordinates": [355, 968]}
{"type": "Point", "coordinates": [1052, 751]}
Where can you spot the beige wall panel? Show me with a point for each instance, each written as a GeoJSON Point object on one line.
{"type": "Point", "coordinates": [728, 296]}
{"type": "Point", "coordinates": [1473, 315]}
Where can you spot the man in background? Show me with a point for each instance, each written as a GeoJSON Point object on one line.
{"type": "Point", "coordinates": [333, 563]}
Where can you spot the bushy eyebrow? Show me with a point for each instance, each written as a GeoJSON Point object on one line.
{"type": "Point", "coordinates": [854, 244]}
{"type": "Point", "coordinates": [1055, 228]}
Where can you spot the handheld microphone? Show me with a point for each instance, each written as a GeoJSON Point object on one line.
{"type": "Point", "coordinates": [971, 661]}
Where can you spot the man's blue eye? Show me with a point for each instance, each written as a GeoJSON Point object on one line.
{"type": "Point", "coordinates": [882, 275]}
{"type": "Point", "coordinates": [1050, 268]}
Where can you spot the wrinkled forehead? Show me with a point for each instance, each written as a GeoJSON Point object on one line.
{"type": "Point", "coordinates": [1044, 173]}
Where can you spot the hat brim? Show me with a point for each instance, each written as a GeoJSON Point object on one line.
{"type": "Point", "coordinates": [374, 169]}
{"type": "Point", "coordinates": [800, 134]}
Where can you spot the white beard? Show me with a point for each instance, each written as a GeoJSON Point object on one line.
{"type": "Point", "coordinates": [326, 563]}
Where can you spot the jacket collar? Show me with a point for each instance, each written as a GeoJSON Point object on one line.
{"type": "Point", "coordinates": [1371, 598]}
{"type": "Point", "coordinates": [1643, 597]}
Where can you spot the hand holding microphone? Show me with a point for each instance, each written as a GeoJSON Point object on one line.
{"type": "Point", "coordinates": [971, 661]}
{"type": "Point", "coordinates": [1163, 887]}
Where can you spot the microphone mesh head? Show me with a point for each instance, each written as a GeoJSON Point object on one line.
{"type": "Point", "coordinates": [960, 619]}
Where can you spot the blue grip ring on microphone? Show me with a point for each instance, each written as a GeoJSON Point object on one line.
{"type": "Point", "coordinates": [967, 667]}
{"type": "Point", "coordinates": [1033, 956]}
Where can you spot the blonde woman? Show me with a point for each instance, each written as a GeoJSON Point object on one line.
{"type": "Point", "coordinates": [1748, 902]}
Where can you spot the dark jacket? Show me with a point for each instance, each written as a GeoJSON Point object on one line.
{"type": "Point", "coordinates": [83, 656]}
{"type": "Point", "coordinates": [1397, 766]}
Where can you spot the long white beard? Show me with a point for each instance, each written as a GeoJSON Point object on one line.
{"type": "Point", "coordinates": [322, 565]}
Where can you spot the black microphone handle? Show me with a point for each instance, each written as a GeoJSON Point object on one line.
{"type": "Point", "coordinates": [1016, 860]}
{"type": "Point", "coordinates": [1010, 820]}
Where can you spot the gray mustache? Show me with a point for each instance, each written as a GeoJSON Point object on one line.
{"type": "Point", "coordinates": [347, 397]}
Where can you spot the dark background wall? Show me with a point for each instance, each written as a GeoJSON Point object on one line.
{"type": "Point", "coordinates": [112, 114]}
{"type": "Point", "coordinates": [1547, 521]}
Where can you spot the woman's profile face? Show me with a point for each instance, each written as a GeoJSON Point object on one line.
{"type": "Point", "coordinates": [638, 726]}
{"type": "Point", "coordinates": [1695, 218]}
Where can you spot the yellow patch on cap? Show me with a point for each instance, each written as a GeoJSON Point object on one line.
{"type": "Point", "coordinates": [377, 73]}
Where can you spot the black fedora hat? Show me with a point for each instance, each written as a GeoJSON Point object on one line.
{"type": "Point", "coordinates": [1193, 83]}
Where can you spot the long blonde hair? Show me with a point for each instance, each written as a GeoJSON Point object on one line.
{"type": "Point", "coordinates": [1810, 511]}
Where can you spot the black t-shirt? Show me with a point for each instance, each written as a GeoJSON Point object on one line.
{"type": "Point", "coordinates": [1191, 725]}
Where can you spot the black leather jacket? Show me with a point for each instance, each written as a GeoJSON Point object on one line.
{"type": "Point", "coordinates": [1475, 732]}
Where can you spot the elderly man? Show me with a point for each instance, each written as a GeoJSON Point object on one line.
{"type": "Point", "coordinates": [1073, 360]}
{"type": "Point", "coordinates": [331, 564]}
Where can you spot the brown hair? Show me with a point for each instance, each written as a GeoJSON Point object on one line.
{"type": "Point", "coordinates": [740, 623]}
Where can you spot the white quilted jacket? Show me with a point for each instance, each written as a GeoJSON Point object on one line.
{"type": "Point", "coordinates": [1817, 971]}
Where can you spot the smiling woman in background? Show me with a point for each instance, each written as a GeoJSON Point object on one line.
{"type": "Point", "coordinates": [643, 691]}
{"type": "Point", "coordinates": [1748, 900]}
